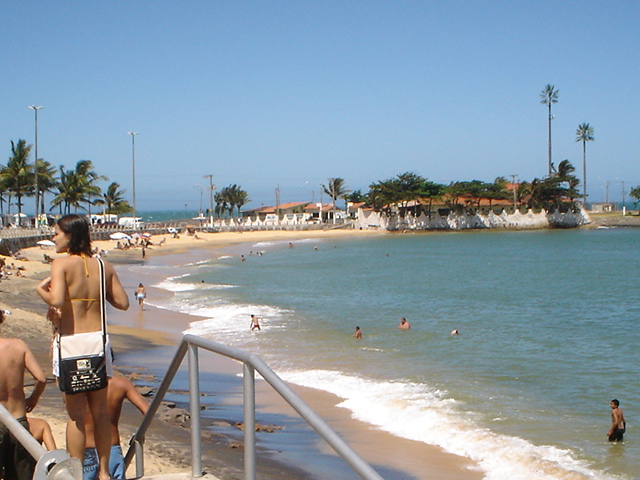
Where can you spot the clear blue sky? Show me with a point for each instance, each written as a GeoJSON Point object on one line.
{"type": "Point", "coordinates": [289, 93]}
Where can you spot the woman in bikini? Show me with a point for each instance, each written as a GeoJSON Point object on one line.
{"type": "Point", "coordinates": [73, 290]}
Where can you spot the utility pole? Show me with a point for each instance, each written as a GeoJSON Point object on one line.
{"type": "Point", "coordinates": [35, 110]}
{"type": "Point", "coordinates": [624, 207]}
{"type": "Point", "coordinates": [278, 202]}
{"type": "Point", "coordinates": [211, 188]}
{"type": "Point", "coordinates": [133, 170]}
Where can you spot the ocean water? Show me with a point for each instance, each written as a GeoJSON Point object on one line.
{"type": "Point", "coordinates": [548, 324]}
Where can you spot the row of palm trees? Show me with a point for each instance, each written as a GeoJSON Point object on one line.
{"type": "Point", "coordinates": [230, 199]}
{"type": "Point", "coordinates": [72, 189]}
{"type": "Point", "coordinates": [584, 134]}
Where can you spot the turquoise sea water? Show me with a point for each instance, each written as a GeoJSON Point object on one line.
{"type": "Point", "coordinates": [548, 325]}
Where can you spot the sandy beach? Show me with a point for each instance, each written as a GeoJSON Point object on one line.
{"type": "Point", "coordinates": [167, 447]}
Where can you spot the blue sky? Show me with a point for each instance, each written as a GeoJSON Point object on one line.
{"type": "Point", "coordinates": [290, 93]}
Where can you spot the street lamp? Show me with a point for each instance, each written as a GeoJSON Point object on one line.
{"type": "Point", "coordinates": [133, 166]}
{"type": "Point", "coordinates": [35, 111]}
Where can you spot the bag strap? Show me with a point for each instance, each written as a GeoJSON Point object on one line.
{"type": "Point", "coordinates": [103, 301]}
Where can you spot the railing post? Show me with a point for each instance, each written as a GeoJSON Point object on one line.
{"type": "Point", "coordinates": [194, 404]}
{"type": "Point", "coordinates": [249, 422]}
{"type": "Point", "coordinates": [139, 458]}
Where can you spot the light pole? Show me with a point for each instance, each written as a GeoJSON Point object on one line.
{"type": "Point", "coordinates": [35, 110]}
{"type": "Point", "coordinates": [211, 187]}
{"type": "Point", "coordinates": [133, 167]}
{"type": "Point", "coordinates": [515, 187]}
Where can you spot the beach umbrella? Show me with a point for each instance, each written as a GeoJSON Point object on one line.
{"type": "Point", "coordinates": [21, 215]}
{"type": "Point", "coordinates": [46, 243]}
{"type": "Point", "coordinates": [119, 236]}
{"type": "Point", "coordinates": [145, 235]}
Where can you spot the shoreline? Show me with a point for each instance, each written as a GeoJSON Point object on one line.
{"type": "Point", "coordinates": [416, 460]}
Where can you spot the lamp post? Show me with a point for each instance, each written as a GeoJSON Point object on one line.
{"type": "Point", "coordinates": [211, 188]}
{"type": "Point", "coordinates": [35, 111]}
{"type": "Point", "coordinates": [515, 188]}
{"type": "Point", "coordinates": [133, 167]}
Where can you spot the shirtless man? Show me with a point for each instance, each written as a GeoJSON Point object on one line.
{"type": "Point", "coordinates": [119, 389]}
{"type": "Point", "coordinates": [404, 325]}
{"type": "Point", "coordinates": [618, 423]}
{"type": "Point", "coordinates": [358, 333]}
{"type": "Point", "coordinates": [255, 322]}
{"type": "Point", "coordinates": [15, 358]}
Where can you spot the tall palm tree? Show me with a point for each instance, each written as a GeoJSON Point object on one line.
{"type": "Point", "coordinates": [88, 177]}
{"type": "Point", "coordinates": [335, 189]}
{"type": "Point", "coordinates": [549, 95]}
{"type": "Point", "coordinates": [46, 181]}
{"type": "Point", "coordinates": [18, 174]}
{"type": "Point", "coordinates": [584, 134]}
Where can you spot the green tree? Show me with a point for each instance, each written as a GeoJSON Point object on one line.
{"type": "Point", "coordinates": [549, 96]}
{"type": "Point", "coordinates": [336, 188]}
{"type": "Point", "coordinates": [47, 181]}
{"type": "Point", "coordinates": [221, 203]}
{"type": "Point", "coordinates": [556, 191]}
{"type": "Point", "coordinates": [584, 134]}
{"type": "Point", "coordinates": [87, 179]}
{"type": "Point", "coordinates": [17, 175]}
{"type": "Point", "coordinates": [114, 201]}
{"type": "Point", "coordinates": [635, 193]}
{"type": "Point", "coordinates": [231, 198]}
{"type": "Point", "coordinates": [399, 191]}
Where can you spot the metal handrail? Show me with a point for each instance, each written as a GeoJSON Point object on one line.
{"type": "Point", "coordinates": [251, 364]}
{"type": "Point", "coordinates": [53, 464]}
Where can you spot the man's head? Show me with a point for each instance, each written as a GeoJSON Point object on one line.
{"type": "Point", "coordinates": [1, 316]}
{"type": "Point", "coordinates": [615, 403]}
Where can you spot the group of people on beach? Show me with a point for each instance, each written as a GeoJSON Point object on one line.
{"type": "Point", "coordinates": [75, 292]}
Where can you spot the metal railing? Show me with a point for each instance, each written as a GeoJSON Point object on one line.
{"type": "Point", "coordinates": [55, 464]}
{"type": "Point", "coordinates": [251, 363]}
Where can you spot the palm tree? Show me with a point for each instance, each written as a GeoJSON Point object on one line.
{"type": "Point", "coordinates": [549, 95]}
{"type": "Point", "coordinates": [335, 189]}
{"type": "Point", "coordinates": [87, 177]}
{"type": "Point", "coordinates": [17, 175]}
{"type": "Point", "coordinates": [46, 181]}
{"type": "Point", "coordinates": [114, 201]}
{"type": "Point", "coordinates": [584, 134]}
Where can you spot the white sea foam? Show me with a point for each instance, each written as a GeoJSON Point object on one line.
{"type": "Point", "coordinates": [225, 318]}
{"type": "Point", "coordinates": [416, 412]}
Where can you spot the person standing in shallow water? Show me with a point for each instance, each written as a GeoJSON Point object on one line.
{"type": "Point", "coordinates": [404, 325]}
{"type": "Point", "coordinates": [358, 333]}
{"type": "Point", "coordinates": [141, 294]}
{"type": "Point", "coordinates": [618, 423]}
{"type": "Point", "coordinates": [255, 322]}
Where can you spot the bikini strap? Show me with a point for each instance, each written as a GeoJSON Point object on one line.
{"type": "Point", "coordinates": [86, 267]}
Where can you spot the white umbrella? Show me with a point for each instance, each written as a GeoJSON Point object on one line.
{"type": "Point", "coordinates": [46, 243]}
{"type": "Point", "coordinates": [21, 215]}
{"type": "Point", "coordinates": [119, 236]}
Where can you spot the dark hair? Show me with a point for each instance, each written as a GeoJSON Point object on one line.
{"type": "Point", "coordinates": [1, 316]}
{"type": "Point", "coordinates": [77, 228]}
{"type": "Point", "coordinates": [615, 402]}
